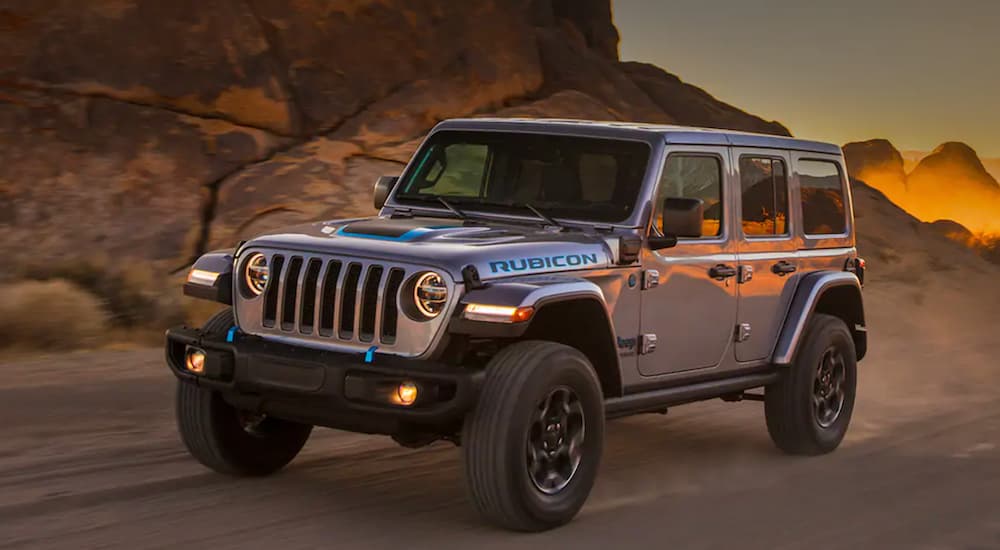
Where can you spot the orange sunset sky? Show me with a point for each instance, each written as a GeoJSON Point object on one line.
{"type": "Point", "coordinates": [917, 72]}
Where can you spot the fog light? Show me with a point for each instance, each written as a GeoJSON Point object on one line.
{"type": "Point", "coordinates": [405, 394]}
{"type": "Point", "coordinates": [194, 361]}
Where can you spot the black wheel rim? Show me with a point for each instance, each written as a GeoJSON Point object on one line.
{"type": "Point", "coordinates": [828, 387]}
{"type": "Point", "coordinates": [555, 440]}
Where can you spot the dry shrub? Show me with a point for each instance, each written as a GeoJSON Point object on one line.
{"type": "Point", "coordinates": [53, 314]}
{"type": "Point", "coordinates": [134, 295]}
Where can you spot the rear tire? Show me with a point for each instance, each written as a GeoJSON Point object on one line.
{"type": "Point", "coordinates": [809, 409]}
{"type": "Point", "coordinates": [533, 444]}
{"type": "Point", "coordinates": [228, 440]}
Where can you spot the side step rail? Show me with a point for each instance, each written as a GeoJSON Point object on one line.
{"type": "Point", "coordinates": [658, 399]}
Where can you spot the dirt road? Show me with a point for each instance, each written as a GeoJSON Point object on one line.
{"type": "Point", "coordinates": [89, 458]}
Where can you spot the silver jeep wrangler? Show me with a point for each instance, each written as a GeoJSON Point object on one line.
{"type": "Point", "coordinates": [524, 281]}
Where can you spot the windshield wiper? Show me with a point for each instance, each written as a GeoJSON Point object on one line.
{"type": "Point", "coordinates": [543, 216]}
{"type": "Point", "coordinates": [447, 204]}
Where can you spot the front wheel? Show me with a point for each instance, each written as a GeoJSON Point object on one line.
{"type": "Point", "coordinates": [809, 409]}
{"type": "Point", "coordinates": [533, 444]}
{"type": "Point", "coordinates": [229, 440]}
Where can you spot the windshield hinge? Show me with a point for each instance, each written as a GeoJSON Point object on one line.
{"type": "Point", "coordinates": [470, 276]}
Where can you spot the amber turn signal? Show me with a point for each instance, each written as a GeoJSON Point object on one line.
{"type": "Point", "coordinates": [498, 314]}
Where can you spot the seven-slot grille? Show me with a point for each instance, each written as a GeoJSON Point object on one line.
{"type": "Point", "coordinates": [340, 299]}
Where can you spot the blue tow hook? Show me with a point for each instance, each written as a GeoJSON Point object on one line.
{"type": "Point", "coordinates": [370, 354]}
{"type": "Point", "coordinates": [231, 335]}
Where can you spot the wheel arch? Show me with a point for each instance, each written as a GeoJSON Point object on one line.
{"type": "Point", "coordinates": [591, 332]}
{"type": "Point", "coordinates": [556, 300]}
{"type": "Point", "coordinates": [836, 293]}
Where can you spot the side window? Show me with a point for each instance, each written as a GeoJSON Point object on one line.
{"type": "Point", "coordinates": [693, 177]}
{"type": "Point", "coordinates": [457, 171]}
{"type": "Point", "coordinates": [823, 202]}
{"type": "Point", "coordinates": [764, 187]}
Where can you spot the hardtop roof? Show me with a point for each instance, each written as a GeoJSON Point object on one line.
{"type": "Point", "coordinates": [680, 135]}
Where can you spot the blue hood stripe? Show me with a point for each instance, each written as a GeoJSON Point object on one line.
{"type": "Point", "coordinates": [408, 236]}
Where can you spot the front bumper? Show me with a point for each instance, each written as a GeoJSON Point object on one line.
{"type": "Point", "coordinates": [339, 390]}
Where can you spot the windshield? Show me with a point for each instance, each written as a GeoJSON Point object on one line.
{"type": "Point", "coordinates": [562, 176]}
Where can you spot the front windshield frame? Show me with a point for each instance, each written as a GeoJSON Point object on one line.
{"type": "Point", "coordinates": [630, 218]}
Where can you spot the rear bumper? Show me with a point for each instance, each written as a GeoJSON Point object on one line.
{"type": "Point", "coordinates": [338, 390]}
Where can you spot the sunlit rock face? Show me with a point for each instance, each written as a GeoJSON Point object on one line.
{"type": "Point", "coordinates": [143, 130]}
{"type": "Point", "coordinates": [952, 183]}
{"type": "Point", "coordinates": [949, 184]}
{"type": "Point", "coordinates": [879, 164]}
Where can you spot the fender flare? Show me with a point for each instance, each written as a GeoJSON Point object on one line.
{"type": "Point", "coordinates": [539, 292]}
{"type": "Point", "coordinates": [808, 296]}
{"type": "Point", "coordinates": [221, 290]}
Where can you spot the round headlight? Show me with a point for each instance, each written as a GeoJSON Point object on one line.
{"type": "Point", "coordinates": [430, 294]}
{"type": "Point", "coordinates": [256, 273]}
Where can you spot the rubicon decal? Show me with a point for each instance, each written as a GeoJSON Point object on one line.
{"type": "Point", "coordinates": [542, 262]}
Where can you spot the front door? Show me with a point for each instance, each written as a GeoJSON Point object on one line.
{"type": "Point", "coordinates": [768, 265]}
{"type": "Point", "coordinates": [691, 313]}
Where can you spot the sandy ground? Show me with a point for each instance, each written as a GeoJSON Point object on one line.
{"type": "Point", "coordinates": [89, 458]}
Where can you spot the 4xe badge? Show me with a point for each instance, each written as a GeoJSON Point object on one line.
{"type": "Point", "coordinates": [627, 345]}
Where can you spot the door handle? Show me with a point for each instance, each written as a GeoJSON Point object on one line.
{"type": "Point", "coordinates": [783, 268]}
{"type": "Point", "coordinates": [722, 272]}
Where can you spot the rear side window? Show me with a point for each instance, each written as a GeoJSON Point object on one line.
{"type": "Point", "coordinates": [824, 209]}
{"type": "Point", "coordinates": [764, 187]}
{"type": "Point", "coordinates": [694, 177]}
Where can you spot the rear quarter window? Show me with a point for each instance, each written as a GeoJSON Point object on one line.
{"type": "Point", "coordinates": [824, 201]}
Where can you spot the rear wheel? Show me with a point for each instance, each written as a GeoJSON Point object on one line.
{"type": "Point", "coordinates": [809, 409]}
{"type": "Point", "coordinates": [228, 440]}
{"type": "Point", "coordinates": [533, 444]}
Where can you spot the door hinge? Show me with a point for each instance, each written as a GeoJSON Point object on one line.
{"type": "Point", "coordinates": [742, 332]}
{"type": "Point", "coordinates": [650, 279]}
{"type": "Point", "coordinates": [746, 274]}
{"type": "Point", "coordinates": [647, 344]}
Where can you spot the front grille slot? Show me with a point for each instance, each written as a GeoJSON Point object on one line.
{"type": "Point", "coordinates": [390, 309]}
{"type": "Point", "coordinates": [290, 284]}
{"type": "Point", "coordinates": [311, 297]}
{"type": "Point", "coordinates": [348, 301]}
{"type": "Point", "coordinates": [271, 291]}
{"type": "Point", "coordinates": [308, 309]}
{"type": "Point", "coordinates": [369, 303]}
{"type": "Point", "coordinates": [328, 299]}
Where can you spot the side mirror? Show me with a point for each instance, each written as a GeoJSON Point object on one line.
{"type": "Point", "coordinates": [383, 186]}
{"type": "Point", "coordinates": [681, 218]}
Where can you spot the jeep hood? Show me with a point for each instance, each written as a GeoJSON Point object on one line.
{"type": "Point", "coordinates": [496, 249]}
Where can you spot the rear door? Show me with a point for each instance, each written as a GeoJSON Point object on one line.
{"type": "Point", "coordinates": [691, 313]}
{"type": "Point", "coordinates": [766, 247]}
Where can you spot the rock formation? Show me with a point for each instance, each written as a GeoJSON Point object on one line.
{"type": "Point", "coordinates": [148, 131]}
{"type": "Point", "coordinates": [949, 184]}
{"type": "Point", "coordinates": [879, 164]}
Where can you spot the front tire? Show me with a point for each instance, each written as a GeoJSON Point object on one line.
{"type": "Point", "coordinates": [809, 409]}
{"type": "Point", "coordinates": [533, 444]}
{"type": "Point", "coordinates": [228, 440]}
